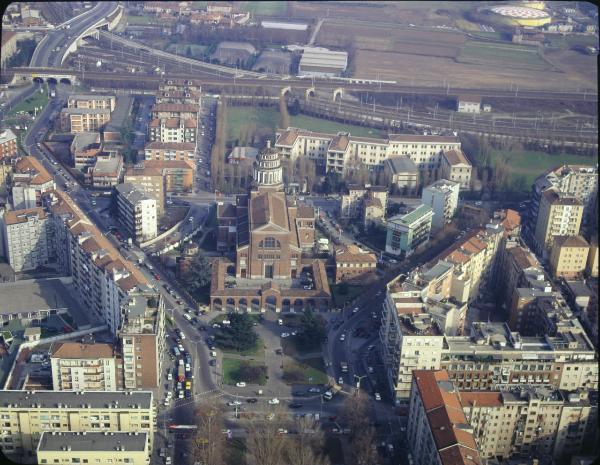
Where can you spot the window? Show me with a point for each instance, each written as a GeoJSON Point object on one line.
{"type": "Point", "coordinates": [269, 243]}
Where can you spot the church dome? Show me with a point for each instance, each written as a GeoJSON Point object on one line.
{"type": "Point", "coordinates": [267, 168]}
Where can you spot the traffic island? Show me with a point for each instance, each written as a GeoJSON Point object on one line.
{"type": "Point", "coordinates": [248, 371]}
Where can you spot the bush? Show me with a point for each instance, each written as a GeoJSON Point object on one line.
{"type": "Point", "coordinates": [251, 373]}
{"type": "Point", "coordinates": [293, 375]}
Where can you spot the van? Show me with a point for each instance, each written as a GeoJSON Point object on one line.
{"type": "Point", "coordinates": [187, 316]}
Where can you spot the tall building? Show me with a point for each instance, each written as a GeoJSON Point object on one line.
{"type": "Point", "coordinates": [273, 237]}
{"type": "Point", "coordinates": [442, 197]}
{"type": "Point", "coordinates": [85, 149]}
{"type": "Point", "coordinates": [407, 232]}
{"type": "Point", "coordinates": [569, 256]}
{"type": "Point", "coordinates": [27, 237]}
{"type": "Point", "coordinates": [150, 181]}
{"type": "Point", "coordinates": [137, 213]}
{"type": "Point", "coordinates": [557, 216]}
{"type": "Point", "coordinates": [8, 144]}
{"type": "Point", "coordinates": [29, 181]}
{"type": "Point", "coordinates": [92, 101]}
{"type": "Point", "coordinates": [26, 415]}
{"type": "Point", "coordinates": [437, 430]}
{"type": "Point", "coordinates": [93, 447]}
{"type": "Point", "coordinates": [84, 367]}
{"type": "Point", "coordinates": [176, 130]}
{"type": "Point", "coordinates": [76, 120]}
{"type": "Point", "coordinates": [367, 203]}
{"type": "Point", "coordinates": [170, 151]}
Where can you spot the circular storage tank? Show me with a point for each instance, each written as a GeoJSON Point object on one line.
{"type": "Point", "coordinates": [514, 15]}
{"type": "Point", "coordinates": [534, 4]}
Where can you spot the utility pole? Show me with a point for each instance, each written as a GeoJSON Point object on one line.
{"type": "Point", "coordinates": [358, 382]}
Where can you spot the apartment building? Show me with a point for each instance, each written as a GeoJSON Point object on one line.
{"type": "Point", "coordinates": [102, 278]}
{"type": "Point", "coordinates": [532, 421]}
{"type": "Point", "coordinates": [8, 144]}
{"type": "Point", "coordinates": [354, 264]}
{"type": "Point", "coordinates": [76, 120]}
{"type": "Point", "coordinates": [557, 216]}
{"type": "Point", "coordinates": [437, 430]}
{"type": "Point", "coordinates": [176, 130]}
{"type": "Point", "coordinates": [27, 236]}
{"type": "Point", "coordinates": [407, 232]}
{"type": "Point", "coordinates": [169, 151]}
{"type": "Point", "coordinates": [442, 197]}
{"type": "Point", "coordinates": [29, 181]}
{"type": "Point", "coordinates": [178, 174]}
{"type": "Point", "coordinates": [520, 268]}
{"type": "Point", "coordinates": [333, 152]}
{"type": "Point", "coordinates": [569, 256]}
{"type": "Point", "coordinates": [142, 338]}
{"type": "Point", "coordinates": [137, 213]}
{"type": "Point", "coordinates": [92, 101]}
{"type": "Point", "coordinates": [175, 110]}
{"type": "Point", "coordinates": [6, 170]}
{"type": "Point", "coordinates": [179, 91]}
{"type": "Point", "coordinates": [106, 172]}
{"type": "Point", "coordinates": [93, 448]}
{"type": "Point", "coordinates": [454, 166]}
{"type": "Point", "coordinates": [150, 181]}
{"type": "Point", "coordinates": [84, 367]}
{"type": "Point", "coordinates": [26, 415]}
{"type": "Point", "coordinates": [366, 203]}
{"type": "Point", "coordinates": [403, 174]}
{"type": "Point", "coordinates": [85, 149]}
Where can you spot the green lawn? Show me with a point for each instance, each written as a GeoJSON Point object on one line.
{"type": "Point", "coordinates": [219, 318]}
{"type": "Point", "coordinates": [312, 369]}
{"type": "Point", "coordinates": [506, 54]}
{"type": "Point", "coordinates": [242, 121]}
{"type": "Point", "coordinates": [531, 163]}
{"type": "Point", "coordinates": [257, 351]}
{"type": "Point", "coordinates": [142, 20]}
{"type": "Point", "coordinates": [341, 299]}
{"type": "Point", "coordinates": [37, 100]}
{"type": "Point", "coordinates": [274, 8]}
{"type": "Point", "coordinates": [231, 368]}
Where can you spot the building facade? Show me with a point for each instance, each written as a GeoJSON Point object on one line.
{"type": "Point", "coordinates": [468, 104]}
{"type": "Point", "coordinates": [170, 151]}
{"type": "Point", "coordinates": [85, 149]}
{"type": "Point", "coordinates": [403, 174]}
{"type": "Point", "coordinates": [137, 213]}
{"type": "Point", "coordinates": [27, 236]}
{"type": "Point", "coordinates": [150, 181]}
{"type": "Point", "coordinates": [454, 166]}
{"type": "Point", "coordinates": [407, 232]}
{"type": "Point", "coordinates": [92, 101]}
{"type": "Point", "coordinates": [29, 181]}
{"type": "Point", "coordinates": [569, 256]}
{"type": "Point", "coordinates": [442, 197]}
{"type": "Point", "coordinates": [354, 264]}
{"type": "Point", "coordinates": [76, 120]}
{"type": "Point", "coordinates": [106, 172]}
{"type": "Point", "coordinates": [172, 130]}
{"type": "Point", "coordinates": [8, 144]}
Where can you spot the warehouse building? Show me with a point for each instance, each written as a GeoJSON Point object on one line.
{"type": "Point", "coordinates": [318, 61]}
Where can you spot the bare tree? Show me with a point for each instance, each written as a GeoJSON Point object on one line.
{"type": "Point", "coordinates": [264, 444]}
{"type": "Point", "coordinates": [209, 443]}
{"type": "Point", "coordinates": [363, 449]}
{"type": "Point", "coordinates": [306, 448]}
{"type": "Point", "coordinates": [284, 115]}
{"type": "Point", "coordinates": [355, 413]}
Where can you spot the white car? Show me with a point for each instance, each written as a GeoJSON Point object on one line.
{"type": "Point", "coordinates": [274, 401]}
{"type": "Point", "coordinates": [168, 461]}
{"type": "Point", "coordinates": [370, 370]}
{"type": "Point", "coordinates": [355, 309]}
{"type": "Point", "coordinates": [180, 396]}
{"type": "Point", "coordinates": [343, 337]}
{"type": "Point", "coordinates": [234, 403]}
{"type": "Point", "coordinates": [181, 335]}
{"type": "Point", "coordinates": [377, 396]}
{"type": "Point", "coordinates": [340, 380]}
{"type": "Point", "coordinates": [170, 376]}
{"type": "Point", "coordinates": [240, 384]}
{"type": "Point", "coordinates": [285, 334]}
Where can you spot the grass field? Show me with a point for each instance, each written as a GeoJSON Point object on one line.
{"type": "Point", "coordinates": [274, 8]}
{"type": "Point", "coordinates": [231, 368]}
{"type": "Point", "coordinates": [38, 99]}
{"type": "Point", "coordinates": [142, 20]}
{"type": "Point", "coordinates": [312, 369]}
{"type": "Point", "coordinates": [531, 164]}
{"type": "Point", "coordinates": [241, 120]}
{"type": "Point", "coordinates": [509, 55]}
{"type": "Point", "coordinates": [257, 351]}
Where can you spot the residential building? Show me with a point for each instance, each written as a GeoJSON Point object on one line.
{"type": "Point", "coordinates": [26, 235]}
{"type": "Point", "coordinates": [366, 203]}
{"type": "Point", "coordinates": [569, 256]}
{"type": "Point", "coordinates": [442, 197]}
{"type": "Point", "coordinates": [177, 130]}
{"type": "Point", "coordinates": [354, 264]}
{"type": "Point", "coordinates": [373, 211]}
{"type": "Point", "coordinates": [468, 104]}
{"type": "Point", "coordinates": [29, 181]}
{"type": "Point", "coordinates": [28, 414]}
{"type": "Point", "coordinates": [85, 254]}
{"type": "Point", "coordinates": [525, 421]}
{"type": "Point", "coordinates": [520, 268]}
{"type": "Point", "coordinates": [150, 181]}
{"type": "Point", "coordinates": [403, 174]}
{"type": "Point", "coordinates": [186, 91]}
{"type": "Point", "coordinates": [75, 120]}
{"type": "Point", "coordinates": [142, 338]}
{"type": "Point", "coordinates": [178, 174]}
{"type": "Point", "coordinates": [170, 151]}
{"type": "Point", "coordinates": [273, 237]}
{"type": "Point", "coordinates": [8, 144]}
{"type": "Point", "coordinates": [437, 430]}
{"type": "Point", "coordinates": [592, 261]}
{"type": "Point", "coordinates": [336, 152]}
{"type": "Point", "coordinates": [84, 367]}
{"type": "Point", "coordinates": [6, 170]}
{"type": "Point", "coordinates": [557, 216]}
{"type": "Point", "coordinates": [319, 61]}
{"type": "Point", "coordinates": [242, 156]}
{"type": "Point", "coordinates": [85, 149]}
{"type": "Point", "coordinates": [93, 447]}
{"type": "Point", "coordinates": [455, 167]}
{"type": "Point", "coordinates": [175, 110]}
{"type": "Point", "coordinates": [137, 213]}
{"type": "Point", "coordinates": [106, 172]}
{"type": "Point", "coordinates": [407, 232]}
{"type": "Point", "coordinates": [92, 101]}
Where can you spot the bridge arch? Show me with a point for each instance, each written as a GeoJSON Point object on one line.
{"type": "Point", "coordinates": [310, 92]}
{"type": "Point", "coordinates": [38, 80]}
{"type": "Point", "coordinates": [52, 80]}
{"type": "Point", "coordinates": [286, 90]}
{"type": "Point", "coordinates": [65, 81]}
{"type": "Point", "coordinates": [337, 94]}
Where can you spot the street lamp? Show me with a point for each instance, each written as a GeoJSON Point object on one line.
{"type": "Point", "coordinates": [358, 382]}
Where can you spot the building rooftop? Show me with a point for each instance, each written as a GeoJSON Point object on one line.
{"type": "Point", "coordinates": [170, 146]}
{"type": "Point", "coordinates": [418, 214]}
{"type": "Point", "coordinates": [86, 141]}
{"type": "Point", "coordinates": [245, 46]}
{"type": "Point", "coordinates": [456, 157]}
{"type": "Point", "coordinates": [120, 114]}
{"type": "Point", "coordinates": [579, 289]}
{"type": "Point", "coordinates": [402, 164]}
{"type": "Point", "coordinates": [22, 216]}
{"type": "Point", "coordinates": [553, 197]}
{"type": "Point", "coordinates": [31, 167]}
{"type": "Point", "coordinates": [443, 186]}
{"type": "Point", "coordinates": [92, 441]}
{"type": "Point", "coordinates": [119, 400]}
{"type": "Point", "coordinates": [86, 111]}
{"type": "Point", "coordinates": [44, 294]}
{"type": "Point", "coordinates": [7, 135]}
{"type": "Point", "coordinates": [106, 166]}
{"type": "Point", "coordinates": [176, 108]}
{"type": "Point", "coordinates": [421, 138]}
{"type": "Point", "coordinates": [322, 57]}
{"type": "Point", "coordinates": [130, 192]}
{"type": "Point", "coordinates": [90, 96]}
{"type": "Point", "coordinates": [352, 254]}
{"type": "Point", "coordinates": [570, 241]}
{"type": "Point", "coordinates": [76, 350]}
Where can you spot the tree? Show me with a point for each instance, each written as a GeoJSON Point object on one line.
{"type": "Point", "coordinates": [284, 116]}
{"type": "Point", "coordinates": [363, 449]}
{"type": "Point", "coordinates": [356, 412]}
{"type": "Point", "coordinates": [239, 334]}
{"type": "Point", "coordinates": [251, 373]}
{"type": "Point", "coordinates": [209, 442]}
{"type": "Point", "coordinates": [264, 445]}
{"type": "Point", "coordinates": [295, 109]}
{"type": "Point", "coordinates": [199, 273]}
{"type": "Point", "coordinates": [312, 332]}
{"type": "Point", "coordinates": [307, 446]}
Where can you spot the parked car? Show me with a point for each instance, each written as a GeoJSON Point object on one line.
{"type": "Point", "coordinates": [241, 384]}
{"type": "Point", "coordinates": [273, 401]}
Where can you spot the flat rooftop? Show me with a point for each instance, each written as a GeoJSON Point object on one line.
{"type": "Point", "coordinates": [87, 442]}
{"type": "Point", "coordinates": [75, 399]}
{"type": "Point", "coordinates": [118, 117]}
{"type": "Point", "coordinates": [27, 296]}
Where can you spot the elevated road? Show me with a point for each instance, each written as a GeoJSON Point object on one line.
{"type": "Point", "coordinates": [51, 50]}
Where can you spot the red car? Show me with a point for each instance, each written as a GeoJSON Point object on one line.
{"type": "Point", "coordinates": [157, 277]}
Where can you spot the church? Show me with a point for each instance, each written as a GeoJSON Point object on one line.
{"type": "Point", "coordinates": [272, 237]}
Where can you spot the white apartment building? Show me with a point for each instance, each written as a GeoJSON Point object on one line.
{"type": "Point", "coordinates": [405, 233]}
{"type": "Point", "coordinates": [336, 151]}
{"type": "Point", "coordinates": [25, 415]}
{"type": "Point", "coordinates": [173, 130]}
{"type": "Point", "coordinates": [442, 197]}
{"type": "Point", "coordinates": [455, 167]}
{"type": "Point", "coordinates": [26, 235]}
{"type": "Point", "coordinates": [92, 101]}
{"type": "Point", "coordinates": [84, 367]}
{"type": "Point", "coordinates": [137, 212]}
{"type": "Point", "coordinates": [558, 215]}
{"type": "Point", "coordinates": [29, 181]}
{"type": "Point", "coordinates": [101, 276]}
